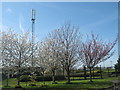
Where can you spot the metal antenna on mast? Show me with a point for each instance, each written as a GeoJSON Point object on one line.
{"type": "Point", "coordinates": [33, 28]}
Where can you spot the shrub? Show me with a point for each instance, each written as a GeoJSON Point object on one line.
{"type": "Point", "coordinates": [4, 76]}
{"type": "Point", "coordinates": [32, 84]}
{"type": "Point", "coordinates": [60, 77]}
{"type": "Point", "coordinates": [82, 75]}
{"type": "Point", "coordinates": [25, 78]}
{"type": "Point", "coordinates": [112, 72]}
{"type": "Point", "coordinates": [49, 78]}
{"type": "Point", "coordinates": [18, 86]}
{"type": "Point", "coordinates": [6, 86]}
{"type": "Point", "coordinates": [99, 72]}
{"type": "Point", "coordinates": [54, 83]}
{"type": "Point", "coordinates": [26, 73]}
{"type": "Point", "coordinates": [45, 78]}
{"type": "Point", "coordinates": [42, 85]}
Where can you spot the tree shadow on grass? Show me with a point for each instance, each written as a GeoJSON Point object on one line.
{"type": "Point", "coordinates": [94, 82]}
{"type": "Point", "coordinates": [86, 79]}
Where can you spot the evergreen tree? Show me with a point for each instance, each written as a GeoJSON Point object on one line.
{"type": "Point", "coordinates": [117, 66]}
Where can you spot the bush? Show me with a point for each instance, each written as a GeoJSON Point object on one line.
{"type": "Point", "coordinates": [25, 78]}
{"type": "Point", "coordinates": [54, 83]}
{"type": "Point", "coordinates": [42, 85]}
{"type": "Point", "coordinates": [60, 77]}
{"type": "Point", "coordinates": [112, 72]}
{"type": "Point", "coordinates": [6, 86]}
{"type": "Point", "coordinates": [45, 78]}
{"type": "Point", "coordinates": [49, 78]}
{"type": "Point", "coordinates": [26, 73]}
{"type": "Point", "coordinates": [99, 72]}
{"type": "Point", "coordinates": [82, 75]}
{"type": "Point", "coordinates": [32, 84]}
{"type": "Point", "coordinates": [4, 76]}
{"type": "Point", "coordinates": [18, 86]}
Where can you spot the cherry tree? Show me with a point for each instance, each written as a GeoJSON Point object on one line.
{"type": "Point", "coordinates": [54, 59]}
{"type": "Point", "coordinates": [6, 40]}
{"type": "Point", "coordinates": [49, 55]}
{"type": "Point", "coordinates": [42, 58]}
{"type": "Point", "coordinates": [68, 41]}
{"type": "Point", "coordinates": [95, 51]}
{"type": "Point", "coordinates": [18, 48]}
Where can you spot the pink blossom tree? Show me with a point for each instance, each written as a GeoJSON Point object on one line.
{"type": "Point", "coordinates": [95, 51]}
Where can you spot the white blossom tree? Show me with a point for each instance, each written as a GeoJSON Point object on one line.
{"type": "Point", "coordinates": [6, 40]}
{"type": "Point", "coordinates": [68, 38]}
{"type": "Point", "coordinates": [42, 58]}
{"type": "Point", "coordinates": [54, 59]}
{"type": "Point", "coordinates": [18, 48]}
{"type": "Point", "coordinates": [49, 56]}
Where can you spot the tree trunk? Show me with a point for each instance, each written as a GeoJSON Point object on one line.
{"type": "Point", "coordinates": [63, 70]}
{"type": "Point", "coordinates": [85, 73]}
{"type": "Point", "coordinates": [108, 73]}
{"type": "Point", "coordinates": [115, 72]}
{"type": "Point", "coordinates": [18, 81]}
{"type": "Point", "coordinates": [68, 75]}
{"type": "Point", "coordinates": [19, 77]}
{"type": "Point", "coordinates": [26, 83]}
{"type": "Point", "coordinates": [53, 77]}
{"type": "Point", "coordinates": [19, 65]}
{"type": "Point", "coordinates": [91, 74]}
{"type": "Point", "coordinates": [101, 72]}
{"type": "Point", "coordinates": [19, 74]}
{"type": "Point", "coordinates": [7, 79]}
{"type": "Point", "coordinates": [43, 78]}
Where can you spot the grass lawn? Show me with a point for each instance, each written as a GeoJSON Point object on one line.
{"type": "Point", "coordinates": [84, 84]}
{"type": "Point", "coordinates": [73, 78]}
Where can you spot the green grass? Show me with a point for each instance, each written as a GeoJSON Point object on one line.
{"type": "Point", "coordinates": [97, 83]}
{"type": "Point", "coordinates": [110, 70]}
{"type": "Point", "coordinates": [73, 78]}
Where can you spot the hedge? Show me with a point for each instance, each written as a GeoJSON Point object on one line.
{"type": "Point", "coordinates": [25, 78]}
{"type": "Point", "coordinates": [49, 78]}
